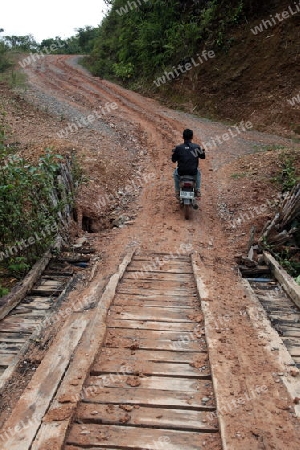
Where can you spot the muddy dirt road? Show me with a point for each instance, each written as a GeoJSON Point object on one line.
{"type": "Point", "coordinates": [125, 142]}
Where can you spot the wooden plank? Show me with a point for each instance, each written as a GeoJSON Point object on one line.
{"type": "Point", "coordinates": [284, 310]}
{"type": "Point", "coordinates": [277, 306]}
{"type": "Point", "coordinates": [9, 301]}
{"type": "Point", "coordinates": [163, 295]}
{"type": "Point", "coordinates": [28, 329]}
{"type": "Point", "coordinates": [153, 344]}
{"type": "Point", "coordinates": [50, 282]}
{"type": "Point", "coordinates": [125, 355]}
{"type": "Point", "coordinates": [275, 299]}
{"type": "Point", "coordinates": [291, 333]}
{"type": "Point", "coordinates": [291, 341]}
{"type": "Point", "coordinates": [289, 317]}
{"type": "Point", "coordinates": [153, 314]}
{"type": "Point", "coordinates": [98, 436]}
{"type": "Point", "coordinates": [160, 263]}
{"type": "Point", "coordinates": [146, 382]}
{"type": "Point", "coordinates": [179, 302]}
{"type": "Point", "coordinates": [167, 257]}
{"type": "Point", "coordinates": [287, 282]}
{"type": "Point", "coordinates": [62, 276]}
{"type": "Point", "coordinates": [74, 447]}
{"type": "Point", "coordinates": [50, 433]}
{"type": "Point", "coordinates": [154, 282]}
{"type": "Point", "coordinates": [144, 416]}
{"type": "Point", "coordinates": [10, 347]}
{"type": "Point", "coordinates": [178, 269]}
{"type": "Point", "coordinates": [11, 337]}
{"type": "Point", "coordinates": [159, 277]}
{"type": "Point", "coordinates": [174, 336]}
{"type": "Point", "coordinates": [157, 310]}
{"type": "Point", "coordinates": [255, 272]}
{"type": "Point", "coordinates": [18, 320]}
{"type": "Point", "coordinates": [157, 397]}
{"type": "Point", "coordinates": [293, 351]}
{"type": "Point", "coordinates": [58, 273]}
{"type": "Point", "coordinates": [73, 259]}
{"type": "Point", "coordinates": [46, 291]}
{"type": "Point", "coordinates": [6, 360]}
{"type": "Point", "coordinates": [63, 406]}
{"type": "Point", "coordinates": [154, 368]}
{"type": "Point", "coordinates": [35, 299]}
{"type": "Point", "coordinates": [35, 399]}
{"type": "Point", "coordinates": [35, 314]}
{"type": "Point", "coordinates": [145, 303]}
{"type": "Point", "coordinates": [164, 288]}
{"type": "Point", "coordinates": [151, 325]}
{"type": "Point", "coordinates": [34, 306]}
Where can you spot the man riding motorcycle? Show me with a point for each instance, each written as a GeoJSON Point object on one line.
{"type": "Point", "coordinates": [187, 156]}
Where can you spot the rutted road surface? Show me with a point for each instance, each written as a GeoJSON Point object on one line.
{"type": "Point", "coordinates": [255, 409]}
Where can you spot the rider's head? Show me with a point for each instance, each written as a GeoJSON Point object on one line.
{"type": "Point", "coordinates": [188, 135]}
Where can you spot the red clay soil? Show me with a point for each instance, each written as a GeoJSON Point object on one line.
{"type": "Point", "coordinates": [252, 76]}
{"type": "Point", "coordinates": [134, 142]}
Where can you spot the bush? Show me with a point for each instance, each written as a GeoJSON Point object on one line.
{"type": "Point", "coordinates": [4, 59]}
{"type": "Point", "coordinates": [28, 209]}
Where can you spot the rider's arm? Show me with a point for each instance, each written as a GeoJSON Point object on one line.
{"type": "Point", "coordinates": [201, 152]}
{"type": "Point", "coordinates": [174, 155]}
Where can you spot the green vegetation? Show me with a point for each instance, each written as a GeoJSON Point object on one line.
{"type": "Point", "coordinates": [29, 208]}
{"type": "Point", "coordinates": [27, 212]}
{"type": "Point", "coordinates": [4, 58]}
{"type": "Point", "coordinates": [137, 40]}
{"type": "Point", "coordinates": [3, 291]}
{"type": "Point", "coordinates": [292, 267]}
{"type": "Point", "coordinates": [289, 174]}
{"type": "Point", "coordinates": [10, 46]}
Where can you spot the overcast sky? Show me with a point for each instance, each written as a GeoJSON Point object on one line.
{"type": "Point", "coordinates": [49, 19]}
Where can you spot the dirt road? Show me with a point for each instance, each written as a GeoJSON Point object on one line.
{"type": "Point", "coordinates": [132, 140]}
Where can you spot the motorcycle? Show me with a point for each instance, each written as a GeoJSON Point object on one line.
{"type": "Point", "coordinates": [187, 194]}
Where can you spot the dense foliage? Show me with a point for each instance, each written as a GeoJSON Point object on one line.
{"type": "Point", "coordinates": [4, 60]}
{"type": "Point", "coordinates": [28, 209]}
{"type": "Point", "coordinates": [138, 38]}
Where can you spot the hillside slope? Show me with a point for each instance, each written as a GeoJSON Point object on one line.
{"type": "Point", "coordinates": [256, 80]}
{"type": "Point", "coordinates": [251, 75]}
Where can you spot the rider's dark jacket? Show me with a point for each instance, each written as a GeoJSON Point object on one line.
{"type": "Point", "coordinates": [187, 157]}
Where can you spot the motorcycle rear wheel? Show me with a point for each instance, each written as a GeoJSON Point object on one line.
{"type": "Point", "coordinates": [186, 211]}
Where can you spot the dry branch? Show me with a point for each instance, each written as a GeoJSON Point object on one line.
{"type": "Point", "coordinates": [286, 223]}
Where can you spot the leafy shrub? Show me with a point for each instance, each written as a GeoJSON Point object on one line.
{"type": "Point", "coordinates": [29, 209]}
{"type": "Point", "coordinates": [3, 291]}
{"type": "Point", "coordinates": [4, 59]}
